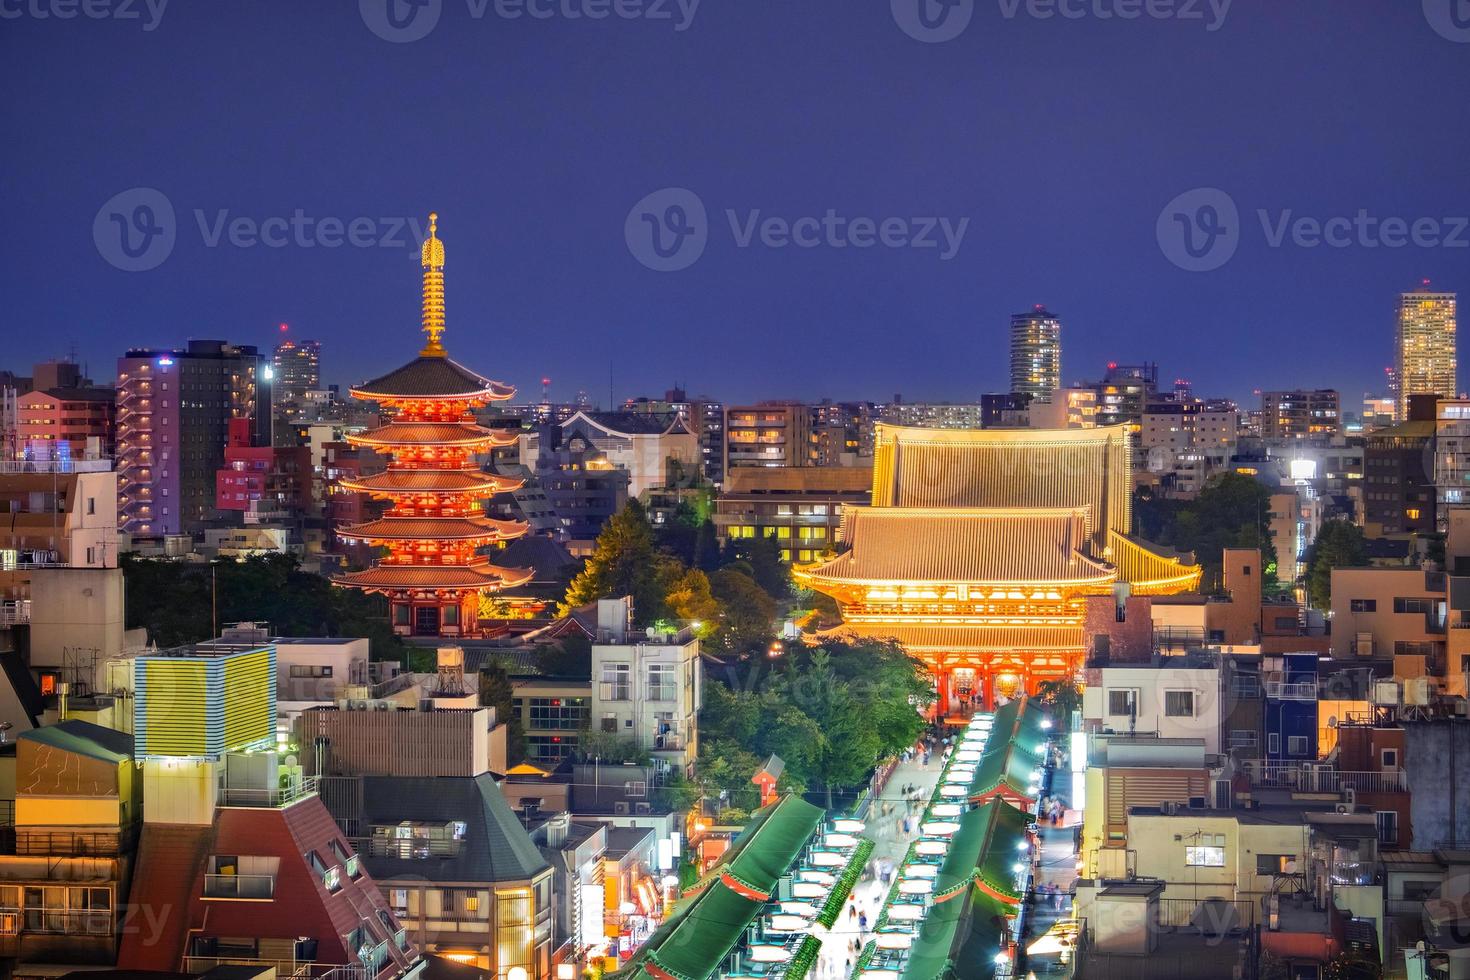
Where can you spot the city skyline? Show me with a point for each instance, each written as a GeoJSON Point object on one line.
{"type": "Point", "coordinates": [538, 190]}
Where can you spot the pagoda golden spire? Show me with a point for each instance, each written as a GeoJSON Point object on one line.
{"type": "Point", "coordinates": [432, 257]}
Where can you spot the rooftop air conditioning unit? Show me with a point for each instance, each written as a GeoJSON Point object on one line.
{"type": "Point", "coordinates": [620, 808]}
{"type": "Point", "coordinates": [1344, 808]}
{"type": "Point", "coordinates": [643, 808]}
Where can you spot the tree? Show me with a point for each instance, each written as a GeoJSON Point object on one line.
{"type": "Point", "coordinates": [845, 745]}
{"type": "Point", "coordinates": [749, 612]}
{"type": "Point", "coordinates": [1231, 511]}
{"type": "Point", "coordinates": [690, 598]}
{"type": "Point", "coordinates": [761, 558]}
{"type": "Point", "coordinates": [611, 748]}
{"type": "Point", "coordinates": [625, 562]}
{"type": "Point", "coordinates": [1339, 544]}
{"type": "Point", "coordinates": [1061, 698]}
{"type": "Point", "coordinates": [497, 692]}
{"type": "Point", "coordinates": [572, 657]}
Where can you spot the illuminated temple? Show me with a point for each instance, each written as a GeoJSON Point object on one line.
{"type": "Point", "coordinates": [435, 526]}
{"type": "Point", "coordinates": [981, 547]}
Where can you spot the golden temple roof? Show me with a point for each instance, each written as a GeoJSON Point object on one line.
{"type": "Point", "coordinates": [430, 481]}
{"type": "Point", "coordinates": [1043, 469]}
{"type": "Point", "coordinates": [408, 577]}
{"type": "Point", "coordinates": [970, 546]}
{"type": "Point", "coordinates": [434, 529]}
{"type": "Point", "coordinates": [967, 638]}
{"type": "Point", "coordinates": [429, 434]}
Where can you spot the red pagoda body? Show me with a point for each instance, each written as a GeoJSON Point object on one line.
{"type": "Point", "coordinates": [435, 527]}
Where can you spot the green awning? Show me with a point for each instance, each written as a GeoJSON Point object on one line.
{"type": "Point", "coordinates": [1005, 830]}
{"type": "Point", "coordinates": [696, 937]}
{"type": "Point", "coordinates": [958, 939]}
{"type": "Point", "coordinates": [1005, 764]}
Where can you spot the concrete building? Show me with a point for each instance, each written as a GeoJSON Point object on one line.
{"type": "Point", "coordinates": [1300, 414]}
{"type": "Point", "coordinates": [1178, 698]}
{"type": "Point", "coordinates": [1036, 353]}
{"type": "Point", "coordinates": [1451, 456]}
{"type": "Point", "coordinates": [767, 434]}
{"type": "Point", "coordinates": [1398, 474]}
{"type": "Point", "coordinates": [174, 408]}
{"type": "Point", "coordinates": [1125, 392]}
{"type": "Point", "coordinates": [646, 686]}
{"type": "Point", "coordinates": [64, 423]}
{"type": "Point", "coordinates": [799, 507]}
{"type": "Point", "coordinates": [1393, 616]}
{"type": "Point", "coordinates": [654, 450]}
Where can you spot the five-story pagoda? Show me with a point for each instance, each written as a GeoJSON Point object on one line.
{"type": "Point", "coordinates": [435, 527]}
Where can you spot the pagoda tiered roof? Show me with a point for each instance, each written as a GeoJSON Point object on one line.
{"type": "Point", "coordinates": [476, 578]}
{"type": "Point", "coordinates": [431, 376]}
{"type": "Point", "coordinates": [435, 528]}
{"type": "Point", "coordinates": [409, 434]}
{"type": "Point", "coordinates": [430, 481]}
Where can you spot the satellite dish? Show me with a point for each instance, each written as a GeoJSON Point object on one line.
{"type": "Point", "coordinates": [290, 760]}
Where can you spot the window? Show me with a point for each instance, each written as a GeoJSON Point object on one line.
{"type": "Point", "coordinates": [616, 682]}
{"type": "Point", "coordinates": [1274, 864]}
{"type": "Point", "coordinates": [1179, 704]}
{"type": "Point", "coordinates": [1273, 743]}
{"type": "Point", "coordinates": [662, 682]}
{"type": "Point", "coordinates": [557, 714]}
{"type": "Point", "coordinates": [1388, 826]}
{"type": "Point", "coordinates": [1202, 856]}
{"type": "Point", "coordinates": [1363, 605]}
{"type": "Point", "coordinates": [310, 670]}
{"type": "Point", "coordinates": [1411, 604]}
{"type": "Point", "coordinates": [1390, 758]}
{"type": "Point", "coordinates": [1296, 745]}
{"type": "Point", "coordinates": [635, 788]}
{"type": "Point", "coordinates": [1242, 738]}
{"type": "Point", "coordinates": [1123, 703]}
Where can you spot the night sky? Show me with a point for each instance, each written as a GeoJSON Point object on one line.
{"type": "Point", "coordinates": [1060, 140]}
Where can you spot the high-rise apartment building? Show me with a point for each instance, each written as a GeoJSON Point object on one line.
{"type": "Point", "coordinates": [1301, 414]}
{"type": "Point", "coordinates": [767, 434]}
{"type": "Point", "coordinates": [1036, 353]}
{"type": "Point", "coordinates": [174, 411]}
{"type": "Point", "coordinates": [297, 370]}
{"type": "Point", "coordinates": [1124, 393]}
{"type": "Point", "coordinates": [1426, 345]}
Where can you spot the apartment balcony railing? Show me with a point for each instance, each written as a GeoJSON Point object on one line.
{"type": "Point", "coordinates": [56, 922]}
{"type": "Point", "coordinates": [10, 467]}
{"type": "Point", "coordinates": [63, 843]}
{"type": "Point", "coordinates": [239, 886]}
{"type": "Point", "coordinates": [285, 969]}
{"type": "Point", "coordinates": [1312, 778]}
{"type": "Point", "coordinates": [269, 799]}
{"type": "Point", "coordinates": [406, 848]}
{"type": "Point", "coordinates": [15, 612]}
{"type": "Point", "coordinates": [1292, 690]}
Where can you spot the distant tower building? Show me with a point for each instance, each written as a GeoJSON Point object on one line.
{"type": "Point", "coordinates": [174, 408]}
{"type": "Point", "coordinates": [298, 370]}
{"type": "Point", "coordinates": [1036, 354]}
{"type": "Point", "coordinates": [1426, 345]}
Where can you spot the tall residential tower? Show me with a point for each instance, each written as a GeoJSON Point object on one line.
{"type": "Point", "coordinates": [1425, 345]}
{"type": "Point", "coordinates": [1036, 354]}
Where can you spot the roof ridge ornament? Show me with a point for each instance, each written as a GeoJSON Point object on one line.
{"type": "Point", "coordinates": [431, 256]}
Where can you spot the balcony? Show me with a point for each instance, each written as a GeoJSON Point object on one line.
{"type": "Point", "coordinates": [269, 799]}
{"type": "Point", "coordinates": [1292, 690]}
{"type": "Point", "coordinates": [285, 969]}
{"type": "Point", "coordinates": [65, 843]}
{"type": "Point", "coordinates": [1317, 778]}
{"type": "Point", "coordinates": [11, 467]}
{"type": "Point", "coordinates": [15, 612]}
{"type": "Point", "coordinates": [251, 887]}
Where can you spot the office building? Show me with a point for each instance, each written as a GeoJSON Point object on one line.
{"type": "Point", "coordinates": [767, 434]}
{"type": "Point", "coordinates": [1426, 345]}
{"type": "Point", "coordinates": [1300, 414]}
{"type": "Point", "coordinates": [174, 408]}
{"type": "Point", "coordinates": [1036, 354]}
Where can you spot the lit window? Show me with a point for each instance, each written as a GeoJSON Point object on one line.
{"type": "Point", "coordinates": [1204, 857]}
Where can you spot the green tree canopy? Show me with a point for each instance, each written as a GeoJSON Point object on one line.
{"type": "Point", "coordinates": [1232, 510]}
{"type": "Point", "coordinates": [749, 612]}
{"type": "Point", "coordinates": [625, 562]}
{"type": "Point", "coordinates": [1339, 544]}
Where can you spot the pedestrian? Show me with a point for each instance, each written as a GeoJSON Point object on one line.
{"type": "Point", "coordinates": [862, 922]}
{"type": "Point", "coordinates": [1058, 898]}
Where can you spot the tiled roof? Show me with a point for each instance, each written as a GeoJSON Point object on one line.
{"type": "Point", "coordinates": [974, 546]}
{"type": "Point", "coordinates": [428, 433]}
{"type": "Point", "coordinates": [436, 577]}
{"type": "Point", "coordinates": [430, 481]}
{"type": "Point", "coordinates": [170, 860]}
{"type": "Point", "coordinates": [632, 423]}
{"type": "Point", "coordinates": [429, 528]}
{"type": "Point", "coordinates": [496, 847]}
{"type": "Point", "coordinates": [429, 377]}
